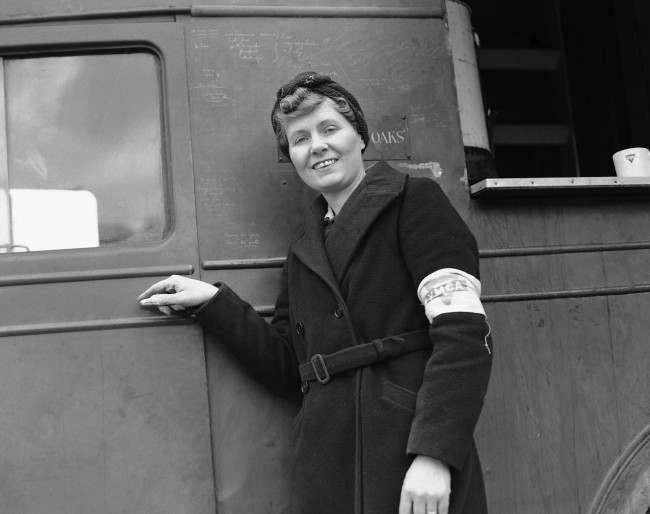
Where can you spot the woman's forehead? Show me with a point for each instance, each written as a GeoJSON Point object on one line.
{"type": "Point", "coordinates": [323, 112]}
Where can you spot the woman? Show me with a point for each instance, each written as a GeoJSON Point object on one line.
{"type": "Point", "coordinates": [391, 392]}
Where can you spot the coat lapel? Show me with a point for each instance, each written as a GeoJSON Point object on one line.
{"type": "Point", "coordinates": [379, 188]}
{"type": "Point", "coordinates": [310, 249]}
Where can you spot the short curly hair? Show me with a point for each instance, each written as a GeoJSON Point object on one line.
{"type": "Point", "coordinates": [301, 102]}
{"type": "Point", "coordinates": [303, 94]}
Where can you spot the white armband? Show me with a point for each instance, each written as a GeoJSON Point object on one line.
{"type": "Point", "coordinates": [450, 290]}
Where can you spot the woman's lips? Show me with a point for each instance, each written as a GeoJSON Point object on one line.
{"type": "Point", "coordinates": [323, 164]}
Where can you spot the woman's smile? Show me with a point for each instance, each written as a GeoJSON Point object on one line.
{"type": "Point", "coordinates": [326, 150]}
{"type": "Point", "coordinates": [324, 164]}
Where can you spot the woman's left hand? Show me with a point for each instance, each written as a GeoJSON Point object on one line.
{"type": "Point", "coordinates": [426, 488]}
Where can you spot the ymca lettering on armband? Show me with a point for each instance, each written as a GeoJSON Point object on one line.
{"type": "Point", "coordinates": [450, 290]}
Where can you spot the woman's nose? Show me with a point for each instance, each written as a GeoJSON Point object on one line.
{"type": "Point", "coordinates": [318, 145]}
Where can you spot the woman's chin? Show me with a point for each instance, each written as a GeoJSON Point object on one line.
{"type": "Point", "coordinates": [325, 181]}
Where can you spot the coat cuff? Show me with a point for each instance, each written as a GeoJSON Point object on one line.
{"type": "Point", "coordinates": [218, 313]}
{"type": "Point", "coordinates": [205, 308]}
{"type": "Point", "coordinates": [450, 398]}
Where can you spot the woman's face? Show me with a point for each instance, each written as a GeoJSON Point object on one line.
{"type": "Point", "coordinates": [326, 150]}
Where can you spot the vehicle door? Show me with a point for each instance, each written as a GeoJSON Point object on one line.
{"type": "Point", "coordinates": [103, 404]}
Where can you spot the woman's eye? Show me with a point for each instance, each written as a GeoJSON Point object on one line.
{"type": "Point", "coordinates": [299, 139]}
{"type": "Point", "coordinates": [330, 128]}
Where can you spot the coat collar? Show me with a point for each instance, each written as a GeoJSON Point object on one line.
{"type": "Point", "coordinates": [381, 185]}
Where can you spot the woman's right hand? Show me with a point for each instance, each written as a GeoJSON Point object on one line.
{"type": "Point", "coordinates": [177, 293]}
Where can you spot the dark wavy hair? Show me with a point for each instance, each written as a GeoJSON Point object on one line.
{"type": "Point", "coordinates": [303, 94]}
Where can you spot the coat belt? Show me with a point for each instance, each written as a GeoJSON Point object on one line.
{"type": "Point", "coordinates": [321, 367]}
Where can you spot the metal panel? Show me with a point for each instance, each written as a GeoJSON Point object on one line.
{"type": "Point", "coordinates": [570, 385]}
{"type": "Point", "coordinates": [14, 10]}
{"type": "Point", "coordinates": [246, 200]}
{"type": "Point", "coordinates": [389, 139]}
{"type": "Point", "coordinates": [600, 274]}
{"type": "Point", "coordinates": [103, 422]}
{"type": "Point", "coordinates": [550, 425]}
{"type": "Point", "coordinates": [104, 404]}
{"type": "Point", "coordinates": [556, 221]}
{"type": "Point", "coordinates": [248, 203]}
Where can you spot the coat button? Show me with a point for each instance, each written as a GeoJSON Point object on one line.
{"type": "Point", "coordinates": [300, 328]}
{"type": "Point", "coordinates": [338, 313]}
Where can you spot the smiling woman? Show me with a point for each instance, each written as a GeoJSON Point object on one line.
{"type": "Point", "coordinates": [325, 150]}
{"type": "Point", "coordinates": [390, 392]}
{"type": "Point", "coordinates": [320, 126]}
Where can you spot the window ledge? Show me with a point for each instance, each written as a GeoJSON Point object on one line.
{"type": "Point", "coordinates": [537, 186]}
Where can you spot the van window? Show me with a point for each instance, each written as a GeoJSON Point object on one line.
{"type": "Point", "coordinates": [83, 163]}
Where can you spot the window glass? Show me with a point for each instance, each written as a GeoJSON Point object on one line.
{"type": "Point", "coordinates": [84, 151]}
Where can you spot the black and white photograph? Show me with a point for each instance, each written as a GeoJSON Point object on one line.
{"type": "Point", "coordinates": [324, 257]}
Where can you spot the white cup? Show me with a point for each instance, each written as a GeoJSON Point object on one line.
{"type": "Point", "coordinates": [632, 162]}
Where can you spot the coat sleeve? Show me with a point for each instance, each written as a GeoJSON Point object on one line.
{"type": "Point", "coordinates": [264, 349]}
{"type": "Point", "coordinates": [449, 401]}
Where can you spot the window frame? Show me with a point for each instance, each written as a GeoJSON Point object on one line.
{"type": "Point", "coordinates": [6, 173]}
{"type": "Point", "coordinates": [166, 41]}
{"type": "Point", "coordinates": [5, 229]}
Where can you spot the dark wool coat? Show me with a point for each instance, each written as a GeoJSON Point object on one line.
{"type": "Point", "coordinates": [355, 437]}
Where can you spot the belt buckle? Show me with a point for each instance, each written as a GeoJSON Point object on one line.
{"type": "Point", "coordinates": [318, 358]}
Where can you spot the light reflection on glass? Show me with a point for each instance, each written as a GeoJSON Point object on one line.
{"type": "Point", "coordinates": [5, 226]}
{"type": "Point", "coordinates": [5, 218]}
{"type": "Point", "coordinates": [92, 124]}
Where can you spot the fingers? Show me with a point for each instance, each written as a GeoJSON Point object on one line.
{"type": "Point", "coordinates": [427, 487]}
{"type": "Point", "coordinates": [161, 299]}
{"type": "Point", "coordinates": [425, 504]}
{"type": "Point", "coordinates": [168, 310]}
{"type": "Point", "coordinates": [430, 500]}
{"type": "Point", "coordinates": [165, 310]}
{"type": "Point", "coordinates": [177, 292]}
{"type": "Point", "coordinates": [167, 293]}
{"type": "Point", "coordinates": [153, 296]}
{"type": "Point", "coordinates": [432, 507]}
{"type": "Point", "coordinates": [404, 503]}
{"type": "Point", "coordinates": [419, 506]}
{"type": "Point", "coordinates": [443, 505]}
{"type": "Point", "coordinates": [162, 286]}
{"type": "Point", "coordinates": [422, 505]}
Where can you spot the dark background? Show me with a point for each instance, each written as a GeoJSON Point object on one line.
{"type": "Point", "coordinates": [568, 120]}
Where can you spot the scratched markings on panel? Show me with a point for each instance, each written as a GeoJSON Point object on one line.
{"type": "Point", "coordinates": [259, 46]}
{"type": "Point", "coordinates": [365, 59]}
{"type": "Point", "coordinates": [398, 69]}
